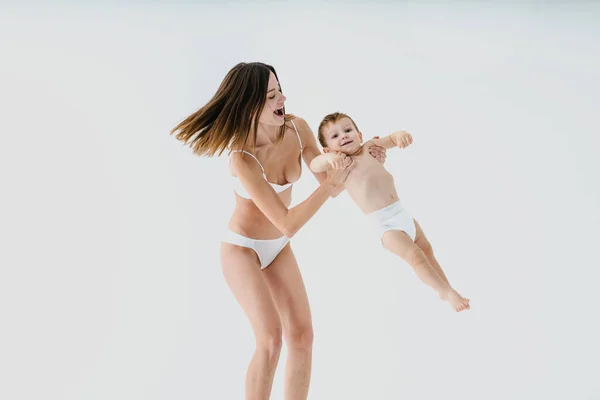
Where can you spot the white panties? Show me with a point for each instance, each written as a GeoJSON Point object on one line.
{"type": "Point", "coordinates": [265, 249]}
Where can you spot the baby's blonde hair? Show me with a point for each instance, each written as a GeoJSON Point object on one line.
{"type": "Point", "coordinates": [331, 118]}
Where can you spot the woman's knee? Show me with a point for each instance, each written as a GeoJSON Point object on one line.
{"type": "Point", "coordinates": [300, 337]}
{"type": "Point", "coordinates": [270, 340]}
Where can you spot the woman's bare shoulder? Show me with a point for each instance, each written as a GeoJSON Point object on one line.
{"type": "Point", "coordinates": [303, 128]}
{"type": "Point", "coordinates": [242, 163]}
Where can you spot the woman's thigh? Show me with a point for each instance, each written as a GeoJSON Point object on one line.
{"type": "Point", "coordinates": [243, 276]}
{"type": "Point", "coordinates": [287, 288]}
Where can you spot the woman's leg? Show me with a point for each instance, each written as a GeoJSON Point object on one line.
{"type": "Point", "coordinates": [287, 287]}
{"type": "Point", "coordinates": [243, 275]}
{"type": "Point", "coordinates": [401, 244]}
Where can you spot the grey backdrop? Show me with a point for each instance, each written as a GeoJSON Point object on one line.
{"type": "Point", "coordinates": [110, 284]}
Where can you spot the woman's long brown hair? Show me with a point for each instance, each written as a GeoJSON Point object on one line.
{"type": "Point", "coordinates": [229, 118]}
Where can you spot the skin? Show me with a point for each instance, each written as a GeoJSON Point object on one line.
{"type": "Point", "coordinates": [372, 188]}
{"type": "Point", "coordinates": [274, 299]}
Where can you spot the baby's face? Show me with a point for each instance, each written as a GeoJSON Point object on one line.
{"type": "Point", "coordinates": [342, 136]}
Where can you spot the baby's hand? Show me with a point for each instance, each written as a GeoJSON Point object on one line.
{"type": "Point", "coordinates": [403, 139]}
{"type": "Point", "coordinates": [336, 160]}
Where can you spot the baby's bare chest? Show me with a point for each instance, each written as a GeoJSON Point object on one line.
{"type": "Point", "coordinates": [366, 168]}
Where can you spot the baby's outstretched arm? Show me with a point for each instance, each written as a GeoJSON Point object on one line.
{"type": "Point", "coordinates": [400, 139]}
{"type": "Point", "coordinates": [327, 161]}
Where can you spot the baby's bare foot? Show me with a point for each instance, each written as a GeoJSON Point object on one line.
{"type": "Point", "coordinates": [457, 302]}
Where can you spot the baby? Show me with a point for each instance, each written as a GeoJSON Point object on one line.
{"type": "Point", "coordinates": [372, 187]}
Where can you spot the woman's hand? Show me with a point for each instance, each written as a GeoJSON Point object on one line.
{"type": "Point", "coordinates": [336, 177]}
{"type": "Point", "coordinates": [378, 152]}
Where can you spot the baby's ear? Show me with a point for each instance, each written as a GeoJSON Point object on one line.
{"type": "Point", "coordinates": [360, 136]}
{"type": "Point", "coordinates": [325, 150]}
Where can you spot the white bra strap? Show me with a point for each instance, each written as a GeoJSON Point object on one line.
{"type": "Point", "coordinates": [296, 129]}
{"type": "Point", "coordinates": [252, 155]}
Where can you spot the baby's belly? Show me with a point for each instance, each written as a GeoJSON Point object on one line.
{"type": "Point", "coordinates": [372, 192]}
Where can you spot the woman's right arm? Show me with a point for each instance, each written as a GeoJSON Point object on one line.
{"type": "Point", "coordinates": [288, 221]}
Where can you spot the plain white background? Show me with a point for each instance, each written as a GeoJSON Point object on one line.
{"type": "Point", "coordinates": [110, 284]}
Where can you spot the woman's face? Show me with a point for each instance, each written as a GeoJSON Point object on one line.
{"type": "Point", "coordinates": [272, 113]}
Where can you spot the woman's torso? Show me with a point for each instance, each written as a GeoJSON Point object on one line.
{"type": "Point", "coordinates": [282, 165]}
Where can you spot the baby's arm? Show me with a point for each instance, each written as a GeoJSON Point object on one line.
{"type": "Point", "coordinates": [325, 162]}
{"type": "Point", "coordinates": [400, 139]}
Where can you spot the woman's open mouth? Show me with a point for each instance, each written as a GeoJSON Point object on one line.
{"type": "Point", "coordinates": [279, 112]}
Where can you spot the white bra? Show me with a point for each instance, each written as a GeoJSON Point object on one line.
{"type": "Point", "coordinates": [239, 188]}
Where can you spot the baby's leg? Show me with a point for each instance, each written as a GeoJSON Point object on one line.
{"type": "Point", "coordinates": [423, 243]}
{"type": "Point", "coordinates": [401, 244]}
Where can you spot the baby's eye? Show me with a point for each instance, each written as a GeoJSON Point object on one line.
{"type": "Point", "coordinates": [348, 129]}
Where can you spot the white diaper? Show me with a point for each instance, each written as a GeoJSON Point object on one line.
{"type": "Point", "coordinates": [393, 218]}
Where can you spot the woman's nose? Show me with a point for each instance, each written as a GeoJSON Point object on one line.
{"type": "Point", "coordinates": [283, 98]}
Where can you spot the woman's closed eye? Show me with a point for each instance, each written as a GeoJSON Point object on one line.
{"type": "Point", "coordinates": [278, 90]}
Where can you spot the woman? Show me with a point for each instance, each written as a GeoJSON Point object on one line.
{"type": "Point", "coordinates": [247, 116]}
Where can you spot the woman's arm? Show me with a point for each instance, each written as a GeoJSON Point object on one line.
{"type": "Point", "coordinates": [310, 150]}
{"type": "Point", "coordinates": [288, 221]}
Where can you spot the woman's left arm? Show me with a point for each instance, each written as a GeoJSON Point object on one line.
{"type": "Point", "coordinates": [310, 149]}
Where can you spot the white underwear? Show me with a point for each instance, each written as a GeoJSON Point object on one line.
{"type": "Point", "coordinates": [265, 249]}
{"type": "Point", "coordinates": [393, 218]}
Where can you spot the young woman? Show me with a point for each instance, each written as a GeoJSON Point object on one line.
{"type": "Point", "coordinates": [247, 116]}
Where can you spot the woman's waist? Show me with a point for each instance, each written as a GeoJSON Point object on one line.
{"type": "Point", "coordinates": [251, 222]}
